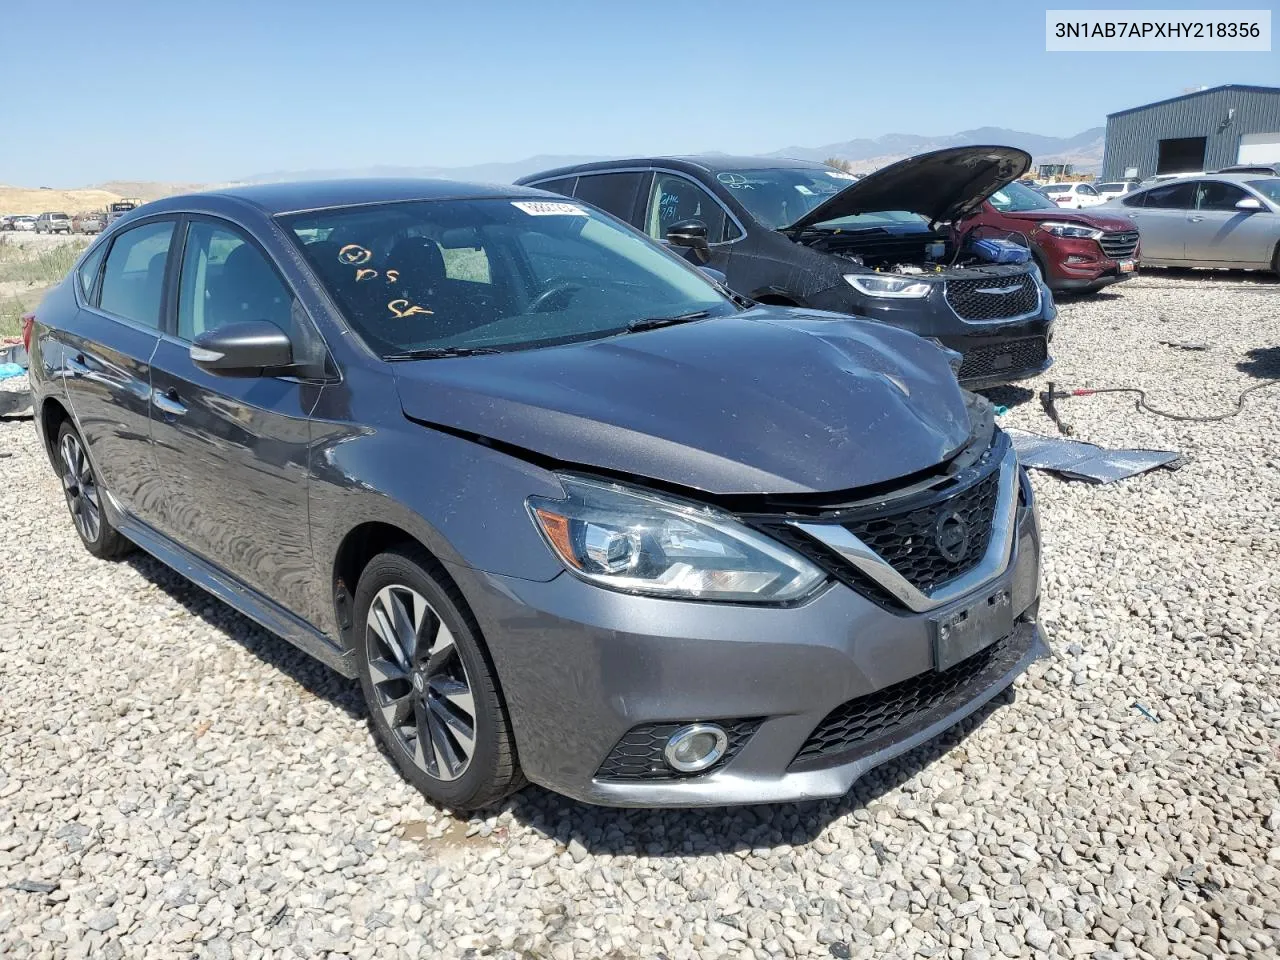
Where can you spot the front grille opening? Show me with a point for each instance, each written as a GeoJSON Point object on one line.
{"type": "Point", "coordinates": [909, 541]}
{"type": "Point", "coordinates": [1120, 244]}
{"type": "Point", "coordinates": [993, 298]}
{"type": "Point", "coordinates": [864, 725]}
{"type": "Point", "coordinates": [638, 755]}
{"type": "Point", "coordinates": [1025, 353]}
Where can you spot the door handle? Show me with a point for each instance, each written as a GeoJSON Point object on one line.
{"type": "Point", "coordinates": [168, 402]}
{"type": "Point", "coordinates": [1195, 219]}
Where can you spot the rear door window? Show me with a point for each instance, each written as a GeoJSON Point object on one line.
{"type": "Point", "coordinates": [614, 193]}
{"type": "Point", "coordinates": [133, 276]}
{"type": "Point", "coordinates": [564, 185]}
{"type": "Point", "coordinates": [1173, 196]}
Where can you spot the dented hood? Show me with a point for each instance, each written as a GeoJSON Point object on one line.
{"type": "Point", "coordinates": [765, 401]}
{"type": "Point", "coordinates": [942, 185]}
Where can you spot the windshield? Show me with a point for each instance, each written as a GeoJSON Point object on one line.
{"type": "Point", "coordinates": [494, 274]}
{"type": "Point", "coordinates": [1057, 188]}
{"type": "Point", "coordinates": [779, 196]}
{"type": "Point", "coordinates": [1015, 198]}
{"type": "Point", "coordinates": [1111, 187]}
{"type": "Point", "coordinates": [1269, 188]}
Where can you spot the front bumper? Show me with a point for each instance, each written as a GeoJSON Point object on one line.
{"type": "Point", "coordinates": [581, 666]}
{"type": "Point", "coordinates": [998, 351]}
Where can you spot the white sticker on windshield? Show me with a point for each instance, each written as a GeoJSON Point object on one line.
{"type": "Point", "coordinates": [549, 208]}
{"type": "Point", "coordinates": [800, 187]}
{"type": "Point", "coordinates": [840, 175]}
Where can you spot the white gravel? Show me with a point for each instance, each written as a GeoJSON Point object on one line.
{"type": "Point", "coordinates": [193, 786]}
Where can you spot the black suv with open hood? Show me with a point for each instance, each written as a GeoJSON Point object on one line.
{"type": "Point", "coordinates": [800, 233]}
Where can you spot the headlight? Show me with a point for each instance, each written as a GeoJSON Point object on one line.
{"type": "Point", "coordinates": [1076, 231]}
{"type": "Point", "coordinates": [879, 285]}
{"type": "Point", "coordinates": [636, 542]}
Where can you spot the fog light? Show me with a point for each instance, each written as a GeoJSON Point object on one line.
{"type": "Point", "coordinates": [695, 747]}
{"type": "Point", "coordinates": [1076, 259]}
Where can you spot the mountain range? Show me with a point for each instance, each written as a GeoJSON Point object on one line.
{"type": "Point", "coordinates": [1084, 150]}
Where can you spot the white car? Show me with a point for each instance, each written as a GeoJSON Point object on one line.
{"type": "Point", "coordinates": [23, 223]}
{"type": "Point", "coordinates": [1073, 196]}
{"type": "Point", "coordinates": [1116, 188]}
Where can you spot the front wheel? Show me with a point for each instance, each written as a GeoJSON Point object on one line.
{"type": "Point", "coordinates": [432, 692]}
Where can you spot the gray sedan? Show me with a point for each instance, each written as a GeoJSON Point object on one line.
{"type": "Point", "coordinates": [1227, 220]}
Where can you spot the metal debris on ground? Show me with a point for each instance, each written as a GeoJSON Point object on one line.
{"type": "Point", "coordinates": [1077, 460]}
{"type": "Point", "coordinates": [34, 886]}
{"type": "Point", "coordinates": [1185, 344]}
{"type": "Point", "coordinates": [1145, 712]}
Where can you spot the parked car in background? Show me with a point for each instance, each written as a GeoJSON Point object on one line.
{"type": "Point", "coordinates": [118, 208]}
{"type": "Point", "coordinates": [1115, 188]}
{"type": "Point", "coordinates": [1262, 169]}
{"type": "Point", "coordinates": [53, 223]}
{"type": "Point", "coordinates": [1076, 251]}
{"type": "Point", "coordinates": [1226, 220]}
{"type": "Point", "coordinates": [1072, 196]}
{"type": "Point", "coordinates": [22, 223]}
{"type": "Point", "coordinates": [566, 508]}
{"type": "Point", "coordinates": [800, 233]}
{"type": "Point", "coordinates": [88, 223]}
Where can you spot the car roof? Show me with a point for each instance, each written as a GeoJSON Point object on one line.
{"type": "Point", "coordinates": [706, 163]}
{"type": "Point", "coordinates": [277, 198]}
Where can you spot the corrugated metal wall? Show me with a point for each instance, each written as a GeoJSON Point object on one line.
{"type": "Point", "coordinates": [1133, 136]}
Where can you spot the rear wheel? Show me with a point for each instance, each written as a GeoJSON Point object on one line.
{"type": "Point", "coordinates": [1275, 261]}
{"type": "Point", "coordinates": [84, 498]}
{"type": "Point", "coordinates": [432, 692]}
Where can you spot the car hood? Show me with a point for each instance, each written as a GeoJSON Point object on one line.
{"type": "Point", "coordinates": [765, 401]}
{"type": "Point", "coordinates": [942, 185]}
{"type": "Point", "coordinates": [1090, 218]}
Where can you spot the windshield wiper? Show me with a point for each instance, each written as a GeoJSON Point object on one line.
{"type": "Point", "coordinates": [652, 323]}
{"type": "Point", "coordinates": [438, 353]}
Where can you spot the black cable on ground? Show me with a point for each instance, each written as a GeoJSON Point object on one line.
{"type": "Point", "coordinates": [1048, 399]}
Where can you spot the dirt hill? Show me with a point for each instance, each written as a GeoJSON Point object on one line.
{"type": "Point", "coordinates": [34, 202]}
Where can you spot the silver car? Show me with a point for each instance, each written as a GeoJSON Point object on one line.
{"type": "Point", "coordinates": [1226, 220]}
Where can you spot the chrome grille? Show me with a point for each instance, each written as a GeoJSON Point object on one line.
{"type": "Point", "coordinates": [993, 298]}
{"type": "Point", "coordinates": [1120, 244]}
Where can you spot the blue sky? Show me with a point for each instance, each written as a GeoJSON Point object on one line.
{"type": "Point", "coordinates": [217, 90]}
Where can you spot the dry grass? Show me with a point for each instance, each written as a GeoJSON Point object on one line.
{"type": "Point", "coordinates": [14, 200]}
{"type": "Point", "coordinates": [27, 270]}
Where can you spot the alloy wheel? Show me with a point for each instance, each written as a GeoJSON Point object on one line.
{"type": "Point", "coordinates": [420, 682]}
{"type": "Point", "coordinates": [80, 488]}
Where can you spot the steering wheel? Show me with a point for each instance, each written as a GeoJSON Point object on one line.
{"type": "Point", "coordinates": [555, 288]}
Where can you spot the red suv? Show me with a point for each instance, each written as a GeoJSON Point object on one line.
{"type": "Point", "coordinates": [1078, 251]}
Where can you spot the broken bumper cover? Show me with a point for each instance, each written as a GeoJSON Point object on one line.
{"type": "Point", "coordinates": [581, 668]}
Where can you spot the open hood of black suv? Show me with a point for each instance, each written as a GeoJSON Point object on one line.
{"type": "Point", "coordinates": [942, 185]}
{"type": "Point", "coordinates": [764, 401]}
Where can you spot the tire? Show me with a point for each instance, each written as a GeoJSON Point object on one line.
{"type": "Point", "coordinates": [1275, 261]}
{"type": "Point", "coordinates": [429, 703]}
{"type": "Point", "coordinates": [82, 489]}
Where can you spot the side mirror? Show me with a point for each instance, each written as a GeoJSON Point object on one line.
{"type": "Point", "coordinates": [252, 348]}
{"type": "Point", "coordinates": [1249, 203]}
{"type": "Point", "coordinates": [715, 275]}
{"type": "Point", "coordinates": [691, 234]}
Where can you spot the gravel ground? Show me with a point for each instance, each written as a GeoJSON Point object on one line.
{"type": "Point", "coordinates": [188, 784]}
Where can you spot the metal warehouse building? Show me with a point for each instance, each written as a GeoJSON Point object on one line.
{"type": "Point", "coordinates": [1205, 130]}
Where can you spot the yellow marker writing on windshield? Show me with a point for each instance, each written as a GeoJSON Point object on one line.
{"type": "Point", "coordinates": [403, 308]}
{"type": "Point", "coordinates": [353, 254]}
